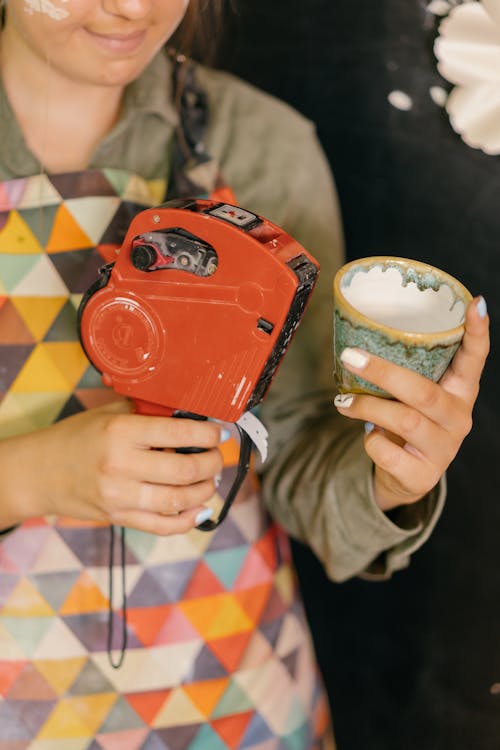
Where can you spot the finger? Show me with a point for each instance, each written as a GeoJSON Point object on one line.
{"type": "Point", "coordinates": [168, 500]}
{"type": "Point", "coordinates": [431, 440]}
{"type": "Point", "coordinates": [170, 468]}
{"type": "Point", "coordinates": [406, 386]}
{"type": "Point", "coordinates": [405, 476]}
{"type": "Point", "coordinates": [155, 523]}
{"type": "Point", "coordinates": [463, 375]}
{"type": "Point", "coordinates": [168, 432]}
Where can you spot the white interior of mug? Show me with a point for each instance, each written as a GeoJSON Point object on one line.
{"type": "Point", "coordinates": [386, 296]}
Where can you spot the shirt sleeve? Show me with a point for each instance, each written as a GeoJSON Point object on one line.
{"type": "Point", "coordinates": [317, 480]}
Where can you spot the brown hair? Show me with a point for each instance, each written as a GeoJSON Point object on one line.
{"type": "Point", "coordinates": [199, 32]}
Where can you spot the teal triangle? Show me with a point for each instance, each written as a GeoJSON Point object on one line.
{"type": "Point", "coordinates": [27, 631]}
{"type": "Point", "coordinates": [40, 220]}
{"type": "Point", "coordinates": [14, 267]}
{"type": "Point", "coordinates": [65, 326]}
{"type": "Point", "coordinates": [226, 563]}
{"type": "Point", "coordinates": [121, 717]}
{"type": "Point", "coordinates": [233, 701]}
{"type": "Point", "coordinates": [118, 178]}
{"type": "Point", "coordinates": [207, 739]}
{"type": "Point", "coordinates": [55, 587]}
{"type": "Point", "coordinates": [296, 740]}
{"type": "Point", "coordinates": [140, 543]}
{"type": "Point", "coordinates": [90, 681]}
{"type": "Point", "coordinates": [90, 379]}
{"type": "Point", "coordinates": [295, 715]}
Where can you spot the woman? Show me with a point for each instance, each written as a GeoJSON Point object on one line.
{"type": "Point", "coordinates": [97, 123]}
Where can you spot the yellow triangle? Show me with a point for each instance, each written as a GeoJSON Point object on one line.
{"type": "Point", "coordinates": [17, 237]}
{"type": "Point", "coordinates": [156, 190]}
{"type": "Point", "coordinates": [77, 717]}
{"type": "Point", "coordinates": [13, 417]}
{"type": "Point", "coordinates": [78, 743]}
{"type": "Point", "coordinates": [216, 616]}
{"type": "Point", "coordinates": [40, 409]}
{"type": "Point", "coordinates": [25, 601]}
{"type": "Point", "coordinates": [38, 312]}
{"type": "Point", "coordinates": [178, 710]}
{"type": "Point", "coordinates": [39, 374]}
{"type": "Point", "coordinates": [60, 673]}
{"type": "Point", "coordinates": [93, 709]}
{"type": "Point", "coordinates": [66, 233]}
{"type": "Point", "coordinates": [69, 359]}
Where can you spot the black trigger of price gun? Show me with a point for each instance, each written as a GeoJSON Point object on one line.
{"type": "Point", "coordinates": [195, 315]}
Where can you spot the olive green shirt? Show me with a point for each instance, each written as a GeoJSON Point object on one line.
{"type": "Point", "coordinates": [317, 482]}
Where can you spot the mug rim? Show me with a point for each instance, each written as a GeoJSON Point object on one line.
{"type": "Point", "coordinates": [449, 333]}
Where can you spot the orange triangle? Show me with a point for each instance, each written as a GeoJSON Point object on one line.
{"type": "Point", "coordinates": [203, 583]}
{"type": "Point", "coordinates": [31, 686]}
{"type": "Point", "coordinates": [266, 547]}
{"type": "Point", "coordinates": [232, 728]}
{"type": "Point", "coordinates": [148, 704]}
{"type": "Point", "coordinates": [13, 329]}
{"type": "Point", "coordinates": [206, 694]}
{"type": "Point", "coordinates": [84, 597]}
{"type": "Point", "coordinates": [146, 622]}
{"type": "Point", "coordinates": [254, 600]}
{"type": "Point", "coordinates": [229, 650]}
{"type": "Point", "coordinates": [9, 672]}
{"type": "Point", "coordinates": [66, 233]}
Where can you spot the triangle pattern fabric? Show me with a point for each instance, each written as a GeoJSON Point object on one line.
{"type": "Point", "coordinates": [218, 654]}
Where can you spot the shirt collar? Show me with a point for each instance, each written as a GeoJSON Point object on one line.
{"type": "Point", "coordinates": [150, 93]}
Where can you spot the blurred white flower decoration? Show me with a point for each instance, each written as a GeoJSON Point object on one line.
{"type": "Point", "coordinates": [468, 53]}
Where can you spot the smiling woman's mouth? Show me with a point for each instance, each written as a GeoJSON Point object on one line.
{"type": "Point", "coordinates": [124, 43]}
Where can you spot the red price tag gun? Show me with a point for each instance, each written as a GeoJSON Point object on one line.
{"type": "Point", "coordinates": [196, 313]}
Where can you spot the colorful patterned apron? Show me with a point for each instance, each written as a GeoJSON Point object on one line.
{"type": "Point", "coordinates": [219, 655]}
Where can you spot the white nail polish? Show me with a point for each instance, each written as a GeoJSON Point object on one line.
{"type": "Point", "coordinates": [369, 427]}
{"type": "Point", "coordinates": [217, 480]}
{"type": "Point", "coordinates": [481, 307]}
{"type": "Point", "coordinates": [354, 358]}
{"type": "Point", "coordinates": [203, 515]}
{"type": "Point", "coordinates": [344, 400]}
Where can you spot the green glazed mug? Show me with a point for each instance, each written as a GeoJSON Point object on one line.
{"type": "Point", "coordinates": [403, 310]}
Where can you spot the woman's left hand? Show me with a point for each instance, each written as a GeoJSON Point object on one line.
{"type": "Point", "coordinates": [413, 439]}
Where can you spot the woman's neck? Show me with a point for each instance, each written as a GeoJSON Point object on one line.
{"type": "Point", "coordinates": [62, 121]}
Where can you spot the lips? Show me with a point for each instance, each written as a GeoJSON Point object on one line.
{"type": "Point", "coordinates": [120, 43]}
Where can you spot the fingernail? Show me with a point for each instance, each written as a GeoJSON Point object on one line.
{"type": "Point", "coordinates": [203, 515]}
{"type": "Point", "coordinates": [481, 307]}
{"type": "Point", "coordinates": [354, 358]}
{"type": "Point", "coordinates": [217, 480]}
{"type": "Point", "coordinates": [344, 400]}
{"type": "Point", "coordinates": [369, 427]}
{"type": "Point", "coordinates": [225, 434]}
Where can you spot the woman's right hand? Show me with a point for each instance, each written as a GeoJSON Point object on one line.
{"type": "Point", "coordinates": [100, 466]}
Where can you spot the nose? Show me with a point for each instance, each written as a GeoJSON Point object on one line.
{"type": "Point", "coordinates": [134, 10]}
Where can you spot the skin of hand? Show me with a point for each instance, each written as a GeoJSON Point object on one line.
{"type": "Point", "coordinates": [413, 439]}
{"type": "Point", "coordinates": [100, 466]}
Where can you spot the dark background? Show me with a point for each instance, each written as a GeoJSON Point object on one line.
{"type": "Point", "coordinates": [409, 663]}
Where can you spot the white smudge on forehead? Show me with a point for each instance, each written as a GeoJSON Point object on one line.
{"type": "Point", "coordinates": [47, 7]}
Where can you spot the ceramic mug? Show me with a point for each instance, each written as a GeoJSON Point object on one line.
{"type": "Point", "coordinates": [402, 310]}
